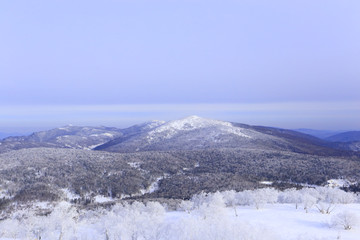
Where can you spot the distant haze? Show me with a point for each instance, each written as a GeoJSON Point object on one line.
{"type": "Point", "coordinates": [291, 64]}
{"type": "Point", "coordinates": [331, 116]}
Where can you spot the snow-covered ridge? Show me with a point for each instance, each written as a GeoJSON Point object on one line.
{"type": "Point", "coordinates": [153, 124]}
{"type": "Point", "coordinates": [171, 128]}
{"type": "Point", "coordinates": [102, 134]}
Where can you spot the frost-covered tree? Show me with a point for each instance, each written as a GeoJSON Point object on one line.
{"type": "Point", "coordinates": [123, 221]}
{"type": "Point", "coordinates": [309, 197]}
{"type": "Point", "coordinates": [244, 198]}
{"type": "Point", "coordinates": [336, 195]}
{"type": "Point", "coordinates": [62, 222]}
{"type": "Point", "coordinates": [308, 201]}
{"type": "Point", "coordinates": [328, 198]}
{"type": "Point", "coordinates": [347, 220]}
{"type": "Point", "coordinates": [212, 206]}
{"type": "Point", "coordinates": [186, 206]}
{"type": "Point", "coordinates": [230, 200]}
{"type": "Point", "coordinates": [290, 196]}
{"type": "Point", "coordinates": [264, 195]}
{"type": "Point", "coordinates": [199, 199]}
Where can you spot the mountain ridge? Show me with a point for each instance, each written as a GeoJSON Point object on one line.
{"type": "Point", "coordinates": [189, 133]}
{"type": "Point", "coordinates": [349, 136]}
{"type": "Point", "coordinates": [181, 157]}
{"type": "Point", "coordinates": [194, 132]}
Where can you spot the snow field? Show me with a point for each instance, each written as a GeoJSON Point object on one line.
{"type": "Point", "coordinates": [262, 214]}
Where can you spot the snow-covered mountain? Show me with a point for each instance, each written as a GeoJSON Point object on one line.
{"type": "Point", "coordinates": [64, 137]}
{"type": "Point", "coordinates": [74, 137]}
{"type": "Point", "coordinates": [191, 123]}
{"type": "Point", "coordinates": [194, 132]}
{"type": "Point", "coordinates": [188, 133]}
{"type": "Point", "coordinates": [180, 157]}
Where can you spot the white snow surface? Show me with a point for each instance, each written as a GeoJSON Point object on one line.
{"type": "Point", "coordinates": [102, 134]}
{"type": "Point", "coordinates": [172, 128]}
{"type": "Point", "coordinates": [108, 134]}
{"type": "Point", "coordinates": [272, 222]}
{"type": "Point", "coordinates": [91, 147]}
{"type": "Point", "coordinates": [261, 214]}
{"type": "Point", "coordinates": [266, 182]}
{"type": "Point", "coordinates": [69, 195]}
{"type": "Point", "coordinates": [135, 165]}
{"type": "Point", "coordinates": [338, 183]}
{"type": "Point", "coordinates": [154, 123]}
{"type": "Point", "coordinates": [102, 199]}
{"type": "Point", "coordinates": [154, 186]}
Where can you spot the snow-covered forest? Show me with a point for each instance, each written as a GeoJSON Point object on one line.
{"type": "Point", "coordinates": [308, 213]}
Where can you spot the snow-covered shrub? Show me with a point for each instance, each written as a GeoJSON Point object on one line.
{"type": "Point", "coordinates": [230, 200]}
{"type": "Point", "coordinates": [264, 195]}
{"type": "Point", "coordinates": [308, 201]}
{"type": "Point", "coordinates": [213, 206]}
{"type": "Point", "coordinates": [290, 196]}
{"type": "Point", "coordinates": [328, 198]}
{"type": "Point", "coordinates": [347, 220]}
{"type": "Point", "coordinates": [347, 197]}
{"type": "Point", "coordinates": [244, 198]}
{"type": "Point", "coordinates": [155, 209]}
{"type": "Point", "coordinates": [312, 192]}
{"type": "Point", "coordinates": [325, 207]}
{"type": "Point", "coordinates": [186, 206]}
{"type": "Point", "coordinates": [123, 221]}
{"type": "Point", "coordinates": [62, 222]}
{"type": "Point", "coordinates": [335, 195]}
{"type": "Point", "coordinates": [199, 199]}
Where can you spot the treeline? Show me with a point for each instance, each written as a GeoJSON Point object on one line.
{"type": "Point", "coordinates": [40, 174]}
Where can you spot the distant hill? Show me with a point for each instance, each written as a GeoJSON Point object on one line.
{"type": "Point", "coordinates": [351, 136]}
{"type": "Point", "coordinates": [336, 139]}
{"type": "Point", "coordinates": [74, 137]}
{"type": "Point", "coordinates": [323, 134]}
{"type": "Point", "coordinates": [8, 134]}
{"type": "Point", "coordinates": [63, 137]}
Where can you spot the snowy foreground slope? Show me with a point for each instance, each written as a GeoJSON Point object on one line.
{"type": "Point", "coordinates": [264, 214]}
{"type": "Point", "coordinates": [277, 221]}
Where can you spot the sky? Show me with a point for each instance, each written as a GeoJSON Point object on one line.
{"type": "Point", "coordinates": [290, 64]}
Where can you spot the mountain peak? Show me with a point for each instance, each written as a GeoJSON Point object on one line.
{"type": "Point", "coordinates": [193, 117]}
{"type": "Point", "coordinates": [190, 123]}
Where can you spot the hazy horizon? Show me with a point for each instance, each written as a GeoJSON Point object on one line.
{"type": "Point", "coordinates": [281, 115]}
{"type": "Point", "coordinates": [288, 64]}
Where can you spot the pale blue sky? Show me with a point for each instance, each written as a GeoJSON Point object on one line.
{"type": "Point", "coordinates": [66, 54]}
